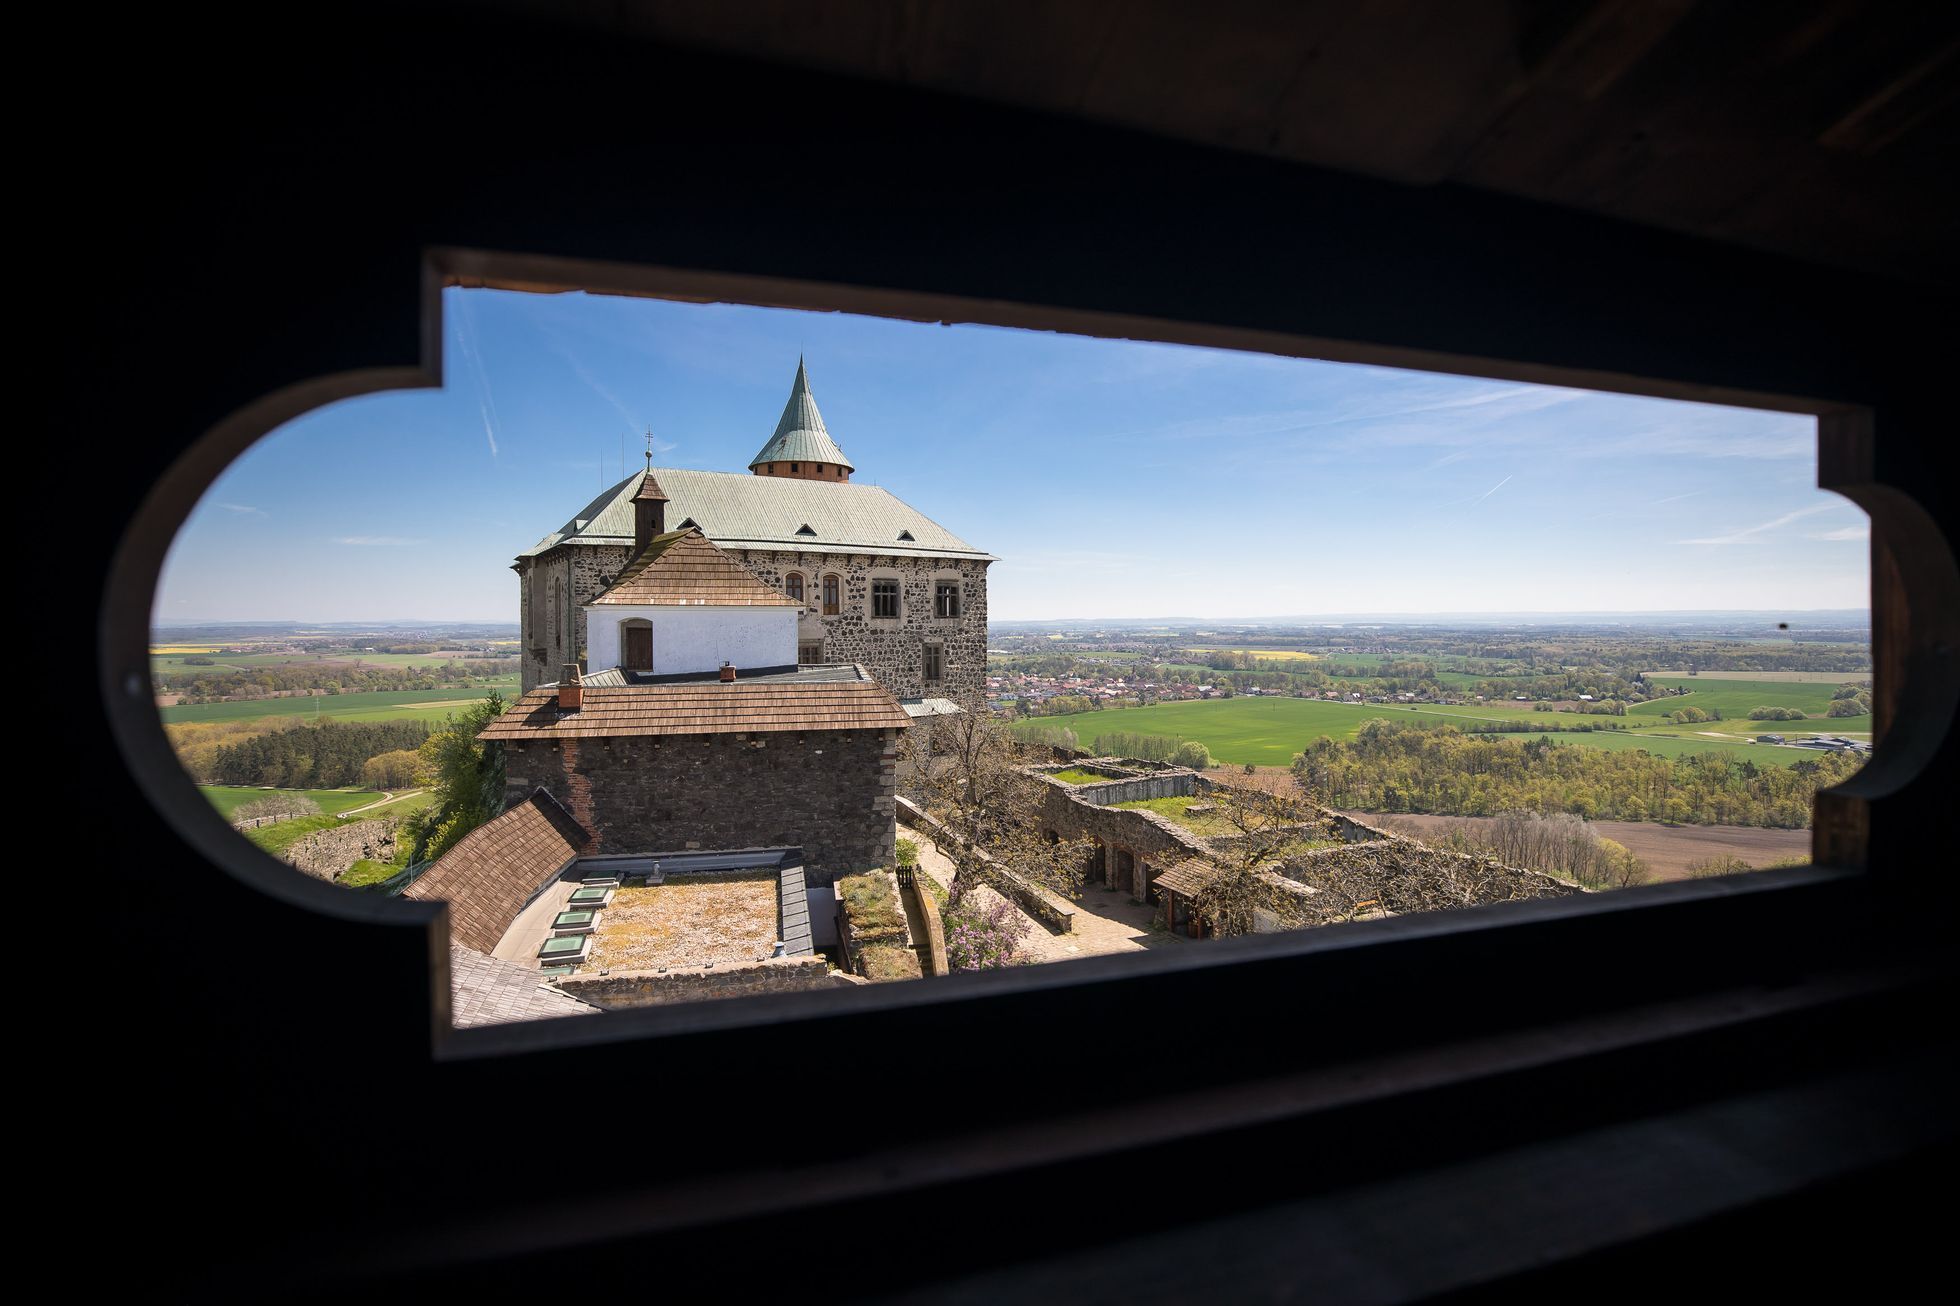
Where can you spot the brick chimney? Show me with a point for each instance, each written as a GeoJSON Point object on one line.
{"type": "Point", "coordinates": [649, 513]}
{"type": "Point", "coordinates": [728, 673]}
{"type": "Point", "coordinates": [571, 691]}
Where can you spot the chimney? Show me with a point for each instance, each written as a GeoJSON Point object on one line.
{"type": "Point", "coordinates": [728, 673]}
{"type": "Point", "coordinates": [571, 692]}
{"type": "Point", "coordinates": [649, 513]}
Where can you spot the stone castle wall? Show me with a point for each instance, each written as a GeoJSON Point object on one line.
{"type": "Point", "coordinates": [554, 588]}
{"type": "Point", "coordinates": [830, 793]}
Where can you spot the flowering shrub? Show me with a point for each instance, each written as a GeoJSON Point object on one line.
{"type": "Point", "coordinates": [984, 932]}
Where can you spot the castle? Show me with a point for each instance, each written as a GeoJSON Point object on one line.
{"type": "Point", "coordinates": [872, 580]}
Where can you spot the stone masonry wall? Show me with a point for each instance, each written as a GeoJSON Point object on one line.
{"type": "Point", "coordinates": [1152, 841]}
{"type": "Point", "coordinates": [552, 594]}
{"type": "Point", "coordinates": [892, 649]}
{"type": "Point", "coordinates": [329, 853]}
{"type": "Point", "coordinates": [653, 989]}
{"type": "Point", "coordinates": [830, 793]}
{"type": "Point", "coordinates": [555, 587]}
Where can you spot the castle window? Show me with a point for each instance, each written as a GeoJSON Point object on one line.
{"type": "Point", "coordinates": [946, 599]}
{"type": "Point", "coordinates": [831, 607]}
{"type": "Point", "coordinates": [795, 467]}
{"type": "Point", "coordinates": [793, 585]}
{"type": "Point", "coordinates": [884, 598]}
{"type": "Point", "coordinates": [809, 653]}
{"type": "Point", "coordinates": [636, 645]}
{"type": "Point", "coordinates": [935, 664]}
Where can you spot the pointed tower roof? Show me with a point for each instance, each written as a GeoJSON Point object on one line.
{"type": "Point", "coordinates": [649, 491]}
{"type": "Point", "coordinates": [800, 435]}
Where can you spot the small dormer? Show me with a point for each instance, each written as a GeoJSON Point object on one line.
{"type": "Point", "coordinates": [804, 529]}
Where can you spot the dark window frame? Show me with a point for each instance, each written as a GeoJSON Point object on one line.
{"type": "Point", "coordinates": [932, 666]}
{"type": "Point", "coordinates": [833, 594]}
{"type": "Point", "coordinates": [887, 592]}
{"type": "Point", "coordinates": [941, 590]}
{"type": "Point", "coordinates": [793, 585]}
{"type": "Point", "coordinates": [1574, 928]}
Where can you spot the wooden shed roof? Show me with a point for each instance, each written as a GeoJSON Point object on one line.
{"type": "Point", "coordinates": [1187, 877]}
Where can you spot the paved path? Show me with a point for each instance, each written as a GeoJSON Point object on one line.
{"type": "Point", "coordinates": [1106, 920]}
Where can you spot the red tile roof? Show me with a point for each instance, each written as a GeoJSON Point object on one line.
{"type": "Point", "coordinates": [702, 708]}
{"type": "Point", "coordinates": [684, 568]}
{"type": "Point", "coordinates": [494, 869]}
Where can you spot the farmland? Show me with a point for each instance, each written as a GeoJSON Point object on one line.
{"type": "Point", "coordinates": [384, 705]}
{"type": "Point", "coordinates": [1269, 731]}
{"type": "Point", "coordinates": [229, 798]}
{"type": "Point", "coordinates": [1735, 698]}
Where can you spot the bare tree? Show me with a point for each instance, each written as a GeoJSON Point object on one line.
{"type": "Point", "coordinates": [969, 773]}
{"type": "Point", "coordinates": [1266, 829]}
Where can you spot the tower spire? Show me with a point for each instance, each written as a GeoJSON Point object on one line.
{"type": "Point", "coordinates": [801, 446]}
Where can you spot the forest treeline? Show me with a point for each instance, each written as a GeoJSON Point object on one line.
{"type": "Point", "coordinates": [1390, 767]}
{"type": "Point", "coordinates": [302, 756]}
{"type": "Point", "coordinates": [233, 681]}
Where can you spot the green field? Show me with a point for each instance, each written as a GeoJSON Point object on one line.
{"type": "Point", "coordinates": [229, 798]}
{"type": "Point", "coordinates": [1737, 698]}
{"type": "Point", "coordinates": [385, 705]}
{"type": "Point", "coordinates": [1269, 731]}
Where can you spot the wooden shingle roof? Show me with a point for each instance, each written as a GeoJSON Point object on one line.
{"type": "Point", "coordinates": [684, 569]}
{"type": "Point", "coordinates": [1187, 877]}
{"type": "Point", "coordinates": [494, 869]}
{"type": "Point", "coordinates": [702, 707]}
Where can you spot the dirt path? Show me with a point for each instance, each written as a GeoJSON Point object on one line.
{"type": "Point", "coordinates": [386, 798]}
{"type": "Point", "coordinates": [1106, 921]}
{"type": "Point", "coordinates": [1667, 849]}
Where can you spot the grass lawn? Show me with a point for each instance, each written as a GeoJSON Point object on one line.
{"type": "Point", "coordinates": [1269, 731]}
{"type": "Point", "coordinates": [384, 705]}
{"type": "Point", "coordinates": [229, 798]}
{"type": "Point", "coordinates": [1075, 775]}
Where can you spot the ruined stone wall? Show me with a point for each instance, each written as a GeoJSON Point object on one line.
{"type": "Point", "coordinates": [328, 854]}
{"type": "Point", "coordinates": [1152, 842]}
{"type": "Point", "coordinates": [830, 793]}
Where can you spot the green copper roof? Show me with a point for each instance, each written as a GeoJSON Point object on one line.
{"type": "Point", "coordinates": [740, 511]}
{"type": "Point", "coordinates": [800, 435]}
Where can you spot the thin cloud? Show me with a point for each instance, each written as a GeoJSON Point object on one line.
{"type": "Point", "coordinates": [377, 541]}
{"type": "Point", "coordinates": [244, 509]}
{"type": "Point", "coordinates": [1846, 533]}
{"type": "Point", "coordinates": [1676, 498]}
{"type": "Point", "coordinates": [486, 402]}
{"type": "Point", "coordinates": [1738, 536]}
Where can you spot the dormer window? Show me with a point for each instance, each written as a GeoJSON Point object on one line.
{"type": "Point", "coordinates": [905, 535]}
{"type": "Point", "coordinates": [687, 523]}
{"type": "Point", "coordinates": [804, 529]}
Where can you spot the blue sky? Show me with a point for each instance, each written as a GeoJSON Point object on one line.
{"type": "Point", "coordinates": [1113, 478]}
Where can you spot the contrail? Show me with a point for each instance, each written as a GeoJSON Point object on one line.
{"type": "Point", "coordinates": [1493, 489]}
{"type": "Point", "coordinates": [486, 402]}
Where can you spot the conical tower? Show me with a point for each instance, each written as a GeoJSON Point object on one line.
{"type": "Point", "coordinates": [801, 447]}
